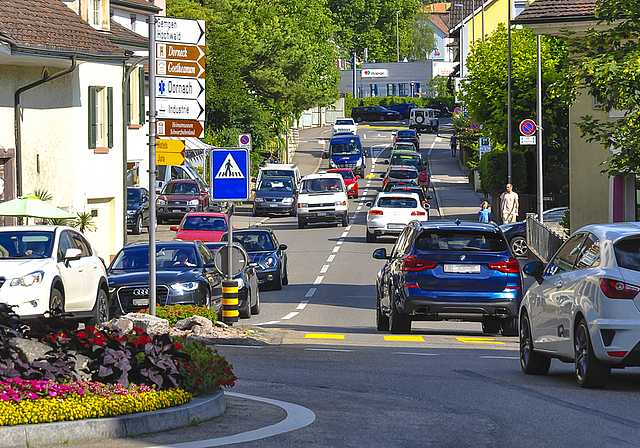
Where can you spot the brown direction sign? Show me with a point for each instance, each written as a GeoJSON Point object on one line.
{"type": "Point", "coordinates": [179, 128]}
{"type": "Point", "coordinates": [191, 69]}
{"type": "Point", "coordinates": [180, 52]}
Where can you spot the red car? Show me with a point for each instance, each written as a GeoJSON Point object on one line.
{"type": "Point", "coordinates": [350, 180]}
{"type": "Point", "coordinates": [201, 226]}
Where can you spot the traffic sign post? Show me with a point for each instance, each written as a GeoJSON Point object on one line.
{"type": "Point", "coordinates": [244, 141]}
{"type": "Point", "coordinates": [527, 127]}
{"type": "Point", "coordinates": [475, 126]}
{"type": "Point", "coordinates": [230, 174]}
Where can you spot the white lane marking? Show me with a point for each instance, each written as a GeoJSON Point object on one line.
{"type": "Point", "coordinates": [267, 323]}
{"type": "Point", "coordinates": [438, 139]}
{"type": "Point", "coordinates": [240, 346]}
{"type": "Point", "coordinates": [336, 248]}
{"type": "Point", "coordinates": [311, 292]}
{"type": "Point", "coordinates": [290, 315]}
{"type": "Point", "coordinates": [500, 357]}
{"type": "Point", "coordinates": [344, 234]}
{"type": "Point", "coordinates": [415, 353]}
{"type": "Point", "coordinates": [359, 208]}
{"type": "Point", "coordinates": [321, 142]}
{"type": "Point", "coordinates": [318, 280]}
{"type": "Point", "coordinates": [340, 241]}
{"type": "Point", "coordinates": [347, 228]}
{"type": "Point", "coordinates": [431, 148]}
{"type": "Point", "coordinates": [328, 350]}
{"type": "Point", "coordinates": [364, 136]}
{"type": "Point", "coordinates": [302, 305]}
{"type": "Point", "coordinates": [324, 269]}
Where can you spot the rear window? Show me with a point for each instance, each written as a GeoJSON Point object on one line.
{"type": "Point", "coordinates": [460, 241]}
{"type": "Point", "coordinates": [399, 202]}
{"type": "Point", "coordinates": [278, 173]}
{"type": "Point", "coordinates": [405, 159]}
{"type": "Point", "coordinates": [344, 122]}
{"type": "Point", "coordinates": [628, 253]}
{"type": "Point", "coordinates": [403, 174]}
{"type": "Point", "coordinates": [205, 223]}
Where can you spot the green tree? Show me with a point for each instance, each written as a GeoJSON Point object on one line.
{"type": "Point", "coordinates": [609, 67]}
{"type": "Point", "coordinates": [485, 95]}
{"type": "Point", "coordinates": [424, 41]}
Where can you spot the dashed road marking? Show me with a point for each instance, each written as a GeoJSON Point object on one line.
{"type": "Point", "coordinates": [330, 259]}
{"type": "Point", "coordinates": [416, 354]}
{"type": "Point", "coordinates": [324, 269]}
{"type": "Point", "coordinates": [302, 304]}
{"type": "Point", "coordinates": [290, 315]}
{"type": "Point", "coordinates": [323, 336]}
{"type": "Point", "coordinates": [499, 357]}
{"type": "Point", "coordinates": [340, 241]}
{"type": "Point", "coordinates": [344, 234]}
{"type": "Point", "coordinates": [478, 340]}
{"type": "Point", "coordinates": [336, 249]}
{"type": "Point", "coordinates": [341, 350]}
{"type": "Point", "coordinates": [311, 292]}
{"type": "Point", "coordinates": [267, 323]}
{"type": "Point", "coordinates": [404, 338]}
{"type": "Point", "coordinates": [318, 280]}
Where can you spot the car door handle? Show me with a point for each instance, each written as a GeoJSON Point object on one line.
{"type": "Point", "coordinates": [558, 284]}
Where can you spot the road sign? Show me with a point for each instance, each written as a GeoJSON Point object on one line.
{"type": "Point", "coordinates": [178, 109]}
{"type": "Point", "coordinates": [187, 69]}
{"type": "Point", "coordinates": [244, 141]}
{"type": "Point", "coordinates": [527, 139]}
{"type": "Point", "coordinates": [475, 126]}
{"type": "Point", "coordinates": [169, 158]}
{"type": "Point", "coordinates": [181, 31]}
{"type": "Point", "coordinates": [527, 127]}
{"type": "Point", "coordinates": [179, 128]}
{"type": "Point", "coordinates": [180, 52]}
{"type": "Point", "coordinates": [169, 145]}
{"type": "Point", "coordinates": [231, 181]}
{"type": "Point", "coordinates": [457, 111]}
{"type": "Point", "coordinates": [183, 88]}
{"type": "Point", "coordinates": [484, 145]}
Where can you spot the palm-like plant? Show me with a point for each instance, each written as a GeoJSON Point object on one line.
{"type": "Point", "coordinates": [84, 222]}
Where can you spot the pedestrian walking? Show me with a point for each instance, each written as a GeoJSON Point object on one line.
{"type": "Point", "coordinates": [484, 214]}
{"type": "Point", "coordinates": [454, 145]}
{"type": "Point", "coordinates": [509, 204]}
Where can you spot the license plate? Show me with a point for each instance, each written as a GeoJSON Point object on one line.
{"type": "Point", "coordinates": [395, 226]}
{"type": "Point", "coordinates": [462, 268]}
{"type": "Point", "coordinates": [273, 205]}
{"type": "Point", "coordinates": [140, 302]}
{"type": "Point", "coordinates": [176, 210]}
{"type": "Point", "coordinates": [321, 214]}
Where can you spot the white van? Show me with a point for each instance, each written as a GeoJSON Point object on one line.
{"type": "Point", "coordinates": [323, 198]}
{"type": "Point", "coordinates": [423, 120]}
{"type": "Point", "coordinates": [280, 170]}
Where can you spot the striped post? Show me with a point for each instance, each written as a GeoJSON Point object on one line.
{"type": "Point", "coordinates": [230, 313]}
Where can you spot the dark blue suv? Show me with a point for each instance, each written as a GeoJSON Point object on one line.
{"type": "Point", "coordinates": [449, 270]}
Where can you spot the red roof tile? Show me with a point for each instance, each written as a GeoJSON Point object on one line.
{"type": "Point", "coordinates": [544, 11]}
{"type": "Point", "coordinates": [123, 35]}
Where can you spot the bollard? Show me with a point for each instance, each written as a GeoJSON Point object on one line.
{"type": "Point", "coordinates": [230, 313]}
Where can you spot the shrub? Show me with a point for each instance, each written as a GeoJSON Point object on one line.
{"type": "Point", "coordinates": [204, 371]}
{"type": "Point", "coordinates": [174, 313]}
{"type": "Point", "coordinates": [494, 171]}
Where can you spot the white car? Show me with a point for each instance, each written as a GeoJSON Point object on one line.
{"type": "Point", "coordinates": [343, 126]}
{"type": "Point", "coordinates": [47, 267]}
{"type": "Point", "coordinates": [391, 212]}
{"type": "Point", "coordinates": [323, 198]}
{"type": "Point", "coordinates": [584, 307]}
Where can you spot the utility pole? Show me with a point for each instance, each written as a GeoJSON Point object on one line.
{"type": "Point", "coordinates": [398, 35]}
{"type": "Point", "coordinates": [509, 139]}
{"type": "Point", "coordinates": [152, 164]}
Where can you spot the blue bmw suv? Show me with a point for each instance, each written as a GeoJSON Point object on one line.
{"type": "Point", "coordinates": [449, 270]}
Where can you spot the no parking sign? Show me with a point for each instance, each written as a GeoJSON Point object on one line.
{"type": "Point", "coordinates": [527, 127]}
{"type": "Point", "coordinates": [244, 141]}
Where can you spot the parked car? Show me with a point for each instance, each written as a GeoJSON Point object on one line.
{"type": "Point", "coordinates": [137, 209]}
{"type": "Point", "coordinates": [448, 270]}
{"type": "Point", "coordinates": [45, 268]}
{"type": "Point", "coordinates": [179, 197]}
{"type": "Point", "coordinates": [350, 180]}
{"type": "Point", "coordinates": [391, 212]}
{"type": "Point", "coordinates": [400, 175]}
{"type": "Point", "coordinates": [583, 307]}
{"type": "Point", "coordinates": [516, 232]}
{"type": "Point", "coordinates": [403, 108]}
{"type": "Point", "coordinates": [262, 246]}
{"type": "Point", "coordinates": [203, 226]}
{"type": "Point", "coordinates": [441, 110]}
{"type": "Point", "coordinates": [275, 195]}
{"type": "Point", "coordinates": [248, 285]}
{"type": "Point", "coordinates": [346, 151]}
{"type": "Point", "coordinates": [323, 198]}
{"type": "Point", "coordinates": [344, 126]}
{"type": "Point", "coordinates": [407, 135]}
{"type": "Point", "coordinates": [186, 274]}
{"type": "Point", "coordinates": [374, 113]}
{"type": "Point", "coordinates": [423, 120]}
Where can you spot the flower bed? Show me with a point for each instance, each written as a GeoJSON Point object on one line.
{"type": "Point", "coordinates": [174, 313]}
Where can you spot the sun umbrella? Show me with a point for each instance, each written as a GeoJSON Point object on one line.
{"type": "Point", "coordinates": [32, 206]}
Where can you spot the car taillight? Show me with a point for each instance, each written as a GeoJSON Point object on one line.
{"type": "Point", "coordinates": [413, 264]}
{"type": "Point", "coordinates": [376, 212]}
{"type": "Point", "coordinates": [615, 289]}
{"type": "Point", "coordinates": [510, 266]}
{"type": "Point", "coordinates": [417, 213]}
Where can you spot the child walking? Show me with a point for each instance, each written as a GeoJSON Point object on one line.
{"type": "Point", "coordinates": [484, 214]}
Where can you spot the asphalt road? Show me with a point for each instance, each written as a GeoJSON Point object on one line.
{"type": "Point", "coordinates": [444, 385]}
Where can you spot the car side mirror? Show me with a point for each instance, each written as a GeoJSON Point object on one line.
{"type": "Point", "coordinates": [282, 247]}
{"type": "Point", "coordinates": [325, 155]}
{"type": "Point", "coordinates": [173, 228]}
{"type": "Point", "coordinates": [385, 162]}
{"type": "Point", "coordinates": [211, 264]}
{"type": "Point", "coordinates": [534, 269]}
{"type": "Point", "coordinates": [253, 264]}
{"type": "Point", "coordinates": [358, 176]}
{"type": "Point", "coordinates": [380, 254]}
{"type": "Point", "coordinates": [394, 132]}
{"type": "Point", "coordinates": [382, 175]}
{"type": "Point", "coordinates": [368, 204]}
{"type": "Point", "coordinates": [72, 253]}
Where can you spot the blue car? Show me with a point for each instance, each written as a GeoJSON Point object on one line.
{"type": "Point", "coordinates": [449, 270]}
{"type": "Point", "coordinates": [263, 248]}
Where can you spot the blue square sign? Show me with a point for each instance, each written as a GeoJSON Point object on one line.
{"type": "Point", "coordinates": [230, 170]}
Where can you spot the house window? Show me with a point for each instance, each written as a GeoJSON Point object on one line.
{"type": "Point", "coordinates": [96, 13]}
{"type": "Point", "coordinates": [100, 118]}
{"type": "Point", "coordinates": [136, 98]}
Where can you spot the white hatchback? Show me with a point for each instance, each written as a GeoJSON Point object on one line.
{"type": "Point", "coordinates": [584, 307]}
{"type": "Point", "coordinates": [391, 212]}
{"type": "Point", "coordinates": [344, 126]}
{"type": "Point", "coordinates": [43, 268]}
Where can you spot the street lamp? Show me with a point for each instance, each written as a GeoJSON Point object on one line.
{"type": "Point", "coordinates": [397, 35]}
{"type": "Point", "coordinates": [461, 5]}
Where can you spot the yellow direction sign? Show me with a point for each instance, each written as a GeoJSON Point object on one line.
{"type": "Point", "coordinates": [169, 146]}
{"type": "Point", "coordinates": [169, 158]}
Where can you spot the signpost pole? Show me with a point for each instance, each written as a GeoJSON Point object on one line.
{"type": "Point", "coordinates": [539, 145]}
{"type": "Point", "coordinates": [152, 165]}
{"type": "Point", "coordinates": [230, 205]}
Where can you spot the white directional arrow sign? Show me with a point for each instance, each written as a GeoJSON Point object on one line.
{"type": "Point", "coordinates": [177, 109]}
{"type": "Point", "coordinates": [182, 31]}
{"type": "Point", "coordinates": [182, 88]}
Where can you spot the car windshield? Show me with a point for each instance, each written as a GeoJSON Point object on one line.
{"type": "Point", "coordinates": [276, 185]}
{"type": "Point", "coordinates": [167, 256]}
{"type": "Point", "coordinates": [205, 223]}
{"type": "Point", "coordinates": [277, 173]}
{"type": "Point", "coordinates": [344, 121]}
{"type": "Point", "coordinates": [346, 174]}
{"type": "Point", "coordinates": [253, 242]}
{"type": "Point", "coordinates": [460, 241]}
{"type": "Point", "coordinates": [326, 185]}
{"type": "Point", "coordinates": [345, 149]}
{"type": "Point", "coordinates": [403, 174]}
{"type": "Point", "coordinates": [406, 159]}
{"type": "Point", "coordinates": [417, 191]}
{"type": "Point", "coordinates": [397, 202]}
{"type": "Point", "coordinates": [628, 253]}
{"type": "Point", "coordinates": [186, 188]}
{"type": "Point", "coordinates": [133, 196]}
{"type": "Point", "coordinates": [406, 134]}
{"type": "Point", "coordinates": [27, 244]}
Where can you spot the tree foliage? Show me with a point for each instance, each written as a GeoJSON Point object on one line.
{"type": "Point", "coordinates": [609, 67]}
{"type": "Point", "coordinates": [424, 41]}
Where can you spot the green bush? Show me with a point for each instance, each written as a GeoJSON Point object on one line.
{"type": "Point", "coordinates": [205, 370]}
{"type": "Point", "coordinates": [494, 171]}
{"type": "Point", "coordinates": [174, 313]}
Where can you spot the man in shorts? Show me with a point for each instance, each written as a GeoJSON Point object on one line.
{"type": "Point", "coordinates": [509, 204]}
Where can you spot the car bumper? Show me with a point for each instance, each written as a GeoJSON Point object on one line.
{"type": "Point", "coordinates": [177, 211]}
{"type": "Point", "coordinates": [377, 227]}
{"type": "Point", "coordinates": [267, 276]}
{"type": "Point", "coordinates": [626, 338]}
{"type": "Point", "coordinates": [270, 207]}
{"type": "Point", "coordinates": [322, 216]}
{"type": "Point", "coordinates": [131, 220]}
{"type": "Point", "coordinates": [125, 299]}
{"type": "Point", "coordinates": [469, 306]}
{"type": "Point", "coordinates": [27, 300]}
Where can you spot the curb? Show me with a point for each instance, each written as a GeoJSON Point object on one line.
{"type": "Point", "coordinates": [123, 426]}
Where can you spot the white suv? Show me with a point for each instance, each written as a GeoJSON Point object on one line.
{"type": "Point", "coordinates": [47, 267]}
{"type": "Point", "coordinates": [323, 198]}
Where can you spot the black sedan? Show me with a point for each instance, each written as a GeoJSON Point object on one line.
{"type": "Point", "coordinates": [516, 232]}
{"type": "Point", "coordinates": [137, 209]}
{"type": "Point", "coordinates": [262, 246]}
{"type": "Point", "coordinates": [408, 136]}
{"type": "Point", "coordinates": [374, 113]}
{"type": "Point", "coordinates": [185, 274]}
{"type": "Point", "coordinates": [248, 285]}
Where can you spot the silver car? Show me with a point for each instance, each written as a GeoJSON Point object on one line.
{"type": "Point", "coordinates": [585, 307]}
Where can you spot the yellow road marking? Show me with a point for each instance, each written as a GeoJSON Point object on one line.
{"type": "Point", "coordinates": [370, 175]}
{"type": "Point", "coordinates": [323, 336]}
{"type": "Point", "coordinates": [404, 338]}
{"type": "Point", "coordinates": [479, 341]}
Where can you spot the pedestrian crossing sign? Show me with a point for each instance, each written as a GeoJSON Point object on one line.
{"type": "Point", "coordinates": [231, 179]}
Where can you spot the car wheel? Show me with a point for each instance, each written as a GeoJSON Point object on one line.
{"type": "Point", "coordinates": [159, 220]}
{"type": "Point", "coordinates": [137, 230]}
{"type": "Point", "coordinates": [100, 309]}
{"type": "Point", "coordinates": [359, 119]}
{"type": "Point", "coordinates": [277, 281]}
{"type": "Point", "coordinates": [56, 302]}
{"type": "Point", "coordinates": [285, 279]}
{"type": "Point", "coordinates": [510, 326]}
{"type": "Point", "coordinates": [255, 212]}
{"type": "Point", "coordinates": [293, 212]}
{"type": "Point", "coordinates": [301, 224]}
{"type": "Point", "coordinates": [381, 118]}
{"type": "Point", "coordinates": [398, 323]}
{"type": "Point", "coordinates": [207, 298]}
{"type": "Point", "coordinates": [371, 237]}
{"type": "Point", "coordinates": [382, 320]}
{"type": "Point", "coordinates": [246, 312]}
{"type": "Point", "coordinates": [532, 363]}
{"type": "Point", "coordinates": [590, 371]}
{"type": "Point", "coordinates": [345, 220]}
{"type": "Point", "coordinates": [519, 246]}
{"type": "Point", "coordinates": [255, 309]}
{"type": "Point", "coordinates": [491, 326]}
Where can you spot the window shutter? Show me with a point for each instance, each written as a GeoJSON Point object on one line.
{"type": "Point", "coordinates": [127, 109]}
{"type": "Point", "coordinates": [141, 93]}
{"type": "Point", "coordinates": [92, 117]}
{"type": "Point", "coordinates": [110, 115]}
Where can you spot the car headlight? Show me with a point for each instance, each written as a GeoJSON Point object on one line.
{"type": "Point", "coordinates": [359, 162]}
{"type": "Point", "coordinates": [258, 200]}
{"type": "Point", "coordinates": [29, 279]}
{"type": "Point", "coordinates": [193, 202]}
{"type": "Point", "coordinates": [287, 201]}
{"type": "Point", "coordinates": [338, 203]}
{"type": "Point", "coordinates": [271, 262]}
{"type": "Point", "coordinates": [184, 287]}
{"type": "Point", "coordinates": [131, 212]}
{"type": "Point", "coordinates": [331, 164]}
{"type": "Point", "coordinates": [160, 201]}
{"type": "Point", "coordinates": [302, 204]}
